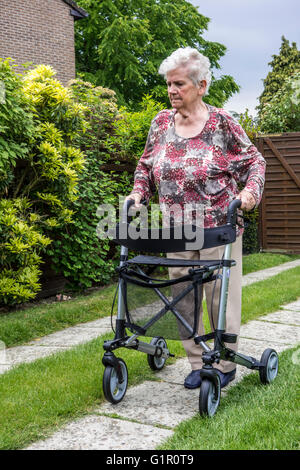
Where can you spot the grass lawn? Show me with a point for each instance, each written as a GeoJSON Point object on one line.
{"type": "Point", "coordinates": [22, 325]}
{"type": "Point", "coordinates": [37, 398]}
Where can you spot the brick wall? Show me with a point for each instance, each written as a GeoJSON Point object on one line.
{"type": "Point", "coordinates": [40, 31]}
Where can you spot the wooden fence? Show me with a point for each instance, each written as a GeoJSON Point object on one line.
{"type": "Point", "coordinates": [279, 224]}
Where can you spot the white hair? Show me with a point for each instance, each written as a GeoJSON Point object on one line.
{"type": "Point", "coordinates": [198, 65]}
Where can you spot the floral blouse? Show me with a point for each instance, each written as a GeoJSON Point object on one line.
{"type": "Point", "coordinates": [204, 169]}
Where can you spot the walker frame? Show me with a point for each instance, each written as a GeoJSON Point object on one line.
{"type": "Point", "coordinates": [115, 376]}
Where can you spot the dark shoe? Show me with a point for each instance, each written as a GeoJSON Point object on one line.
{"type": "Point", "coordinates": [227, 377]}
{"type": "Point", "coordinates": [193, 380]}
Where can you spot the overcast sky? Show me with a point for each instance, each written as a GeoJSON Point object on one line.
{"type": "Point", "coordinates": [251, 30]}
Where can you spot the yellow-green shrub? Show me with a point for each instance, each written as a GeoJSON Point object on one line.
{"type": "Point", "coordinates": [21, 240]}
{"type": "Point", "coordinates": [39, 121]}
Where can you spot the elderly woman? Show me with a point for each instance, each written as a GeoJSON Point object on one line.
{"type": "Point", "coordinates": [198, 153]}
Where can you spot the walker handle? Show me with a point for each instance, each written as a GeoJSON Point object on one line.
{"type": "Point", "coordinates": [231, 214]}
{"type": "Point", "coordinates": [127, 204]}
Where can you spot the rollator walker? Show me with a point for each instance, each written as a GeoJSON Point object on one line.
{"type": "Point", "coordinates": [132, 275]}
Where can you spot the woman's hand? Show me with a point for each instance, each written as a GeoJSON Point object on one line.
{"type": "Point", "coordinates": [248, 200]}
{"type": "Point", "coordinates": [136, 197]}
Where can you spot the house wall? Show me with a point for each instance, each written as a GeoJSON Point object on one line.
{"type": "Point", "coordinates": [39, 31]}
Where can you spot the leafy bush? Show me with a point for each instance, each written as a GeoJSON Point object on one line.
{"type": "Point", "coordinates": [17, 129]}
{"type": "Point", "coordinates": [39, 170]}
{"type": "Point", "coordinates": [50, 174]}
{"type": "Point", "coordinates": [78, 253]}
{"type": "Point", "coordinates": [58, 181]}
{"type": "Point", "coordinates": [20, 240]}
{"type": "Point", "coordinates": [131, 129]}
{"type": "Point", "coordinates": [112, 136]}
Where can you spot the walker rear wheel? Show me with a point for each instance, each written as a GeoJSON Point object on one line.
{"type": "Point", "coordinates": [209, 398]}
{"type": "Point", "coordinates": [269, 366]}
{"type": "Point", "coordinates": [114, 389]}
{"type": "Point", "coordinates": [157, 361]}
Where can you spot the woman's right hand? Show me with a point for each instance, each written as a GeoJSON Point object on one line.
{"type": "Point", "coordinates": [136, 197]}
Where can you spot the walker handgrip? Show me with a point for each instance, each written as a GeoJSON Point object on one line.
{"type": "Point", "coordinates": [231, 214]}
{"type": "Point", "coordinates": [127, 204]}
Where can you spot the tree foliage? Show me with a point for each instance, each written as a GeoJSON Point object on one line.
{"type": "Point", "coordinates": [282, 112]}
{"type": "Point", "coordinates": [122, 43]}
{"type": "Point", "coordinates": [282, 66]}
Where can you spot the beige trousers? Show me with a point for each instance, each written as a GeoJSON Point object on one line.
{"type": "Point", "coordinates": [233, 311]}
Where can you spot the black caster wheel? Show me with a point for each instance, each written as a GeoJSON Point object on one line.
{"type": "Point", "coordinates": [209, 398]}
{"type": "Point", "coordinates": [157, 362]}
{"type": "Point", "coordinates": [269, 366]}
{"type": "Point", "coordinates": [114, 389]}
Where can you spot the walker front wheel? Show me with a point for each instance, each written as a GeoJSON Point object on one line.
{"type": "Point", "coordinates": [157, 361]}
{"type": "Point", "coordinates": [269, 366]}
{"type": "Point", "coordinates": [115, 388]}
{"type": "Point", "coordinates": [209, 398]}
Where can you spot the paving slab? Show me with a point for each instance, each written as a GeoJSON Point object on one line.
{"type": "Point", "coordinates": [287, 316]}
{"type": "Point", "coordinates": [292, 306]}
{"type": "Point", "coordinates": [156, 403]}
{"type": "Point", "coordinates": [255, 347]}
{"type": "Point", "coordinates": [72, 336]}
{"type": "Point", "coordinates": [271, 332]}
{"type": "Point", "coordinates": [20, 354]}
{"type": "Point", "coordinates": [103, 433]}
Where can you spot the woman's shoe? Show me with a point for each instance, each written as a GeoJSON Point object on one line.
{"type": "Point", "coordinates": [193, 380]}
{"type": "Point", "coordinates": [227, 377]}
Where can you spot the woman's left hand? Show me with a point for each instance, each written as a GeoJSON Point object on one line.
{"type": "Point", "coordinates": [248, 201]}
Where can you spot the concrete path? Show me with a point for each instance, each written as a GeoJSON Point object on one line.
{"type": "Point", "coordinates": [150, 411]}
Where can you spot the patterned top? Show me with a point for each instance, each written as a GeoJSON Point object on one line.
{"type": "Point", "coordinates": [204, 169]}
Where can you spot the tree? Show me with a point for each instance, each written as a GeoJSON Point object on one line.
{"type": "Point", "coordinates": [282, 112]}
{"type": "Point", "coordinates": [122, 43]}
{"type": "Point", "coordinates": [283, 66]}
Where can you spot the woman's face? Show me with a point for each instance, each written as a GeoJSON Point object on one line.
{"type": "Point", "coordinates": [181, 89]}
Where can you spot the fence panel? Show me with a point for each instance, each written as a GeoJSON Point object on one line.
{"type": "Point", "coordinates": [279, 224]}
